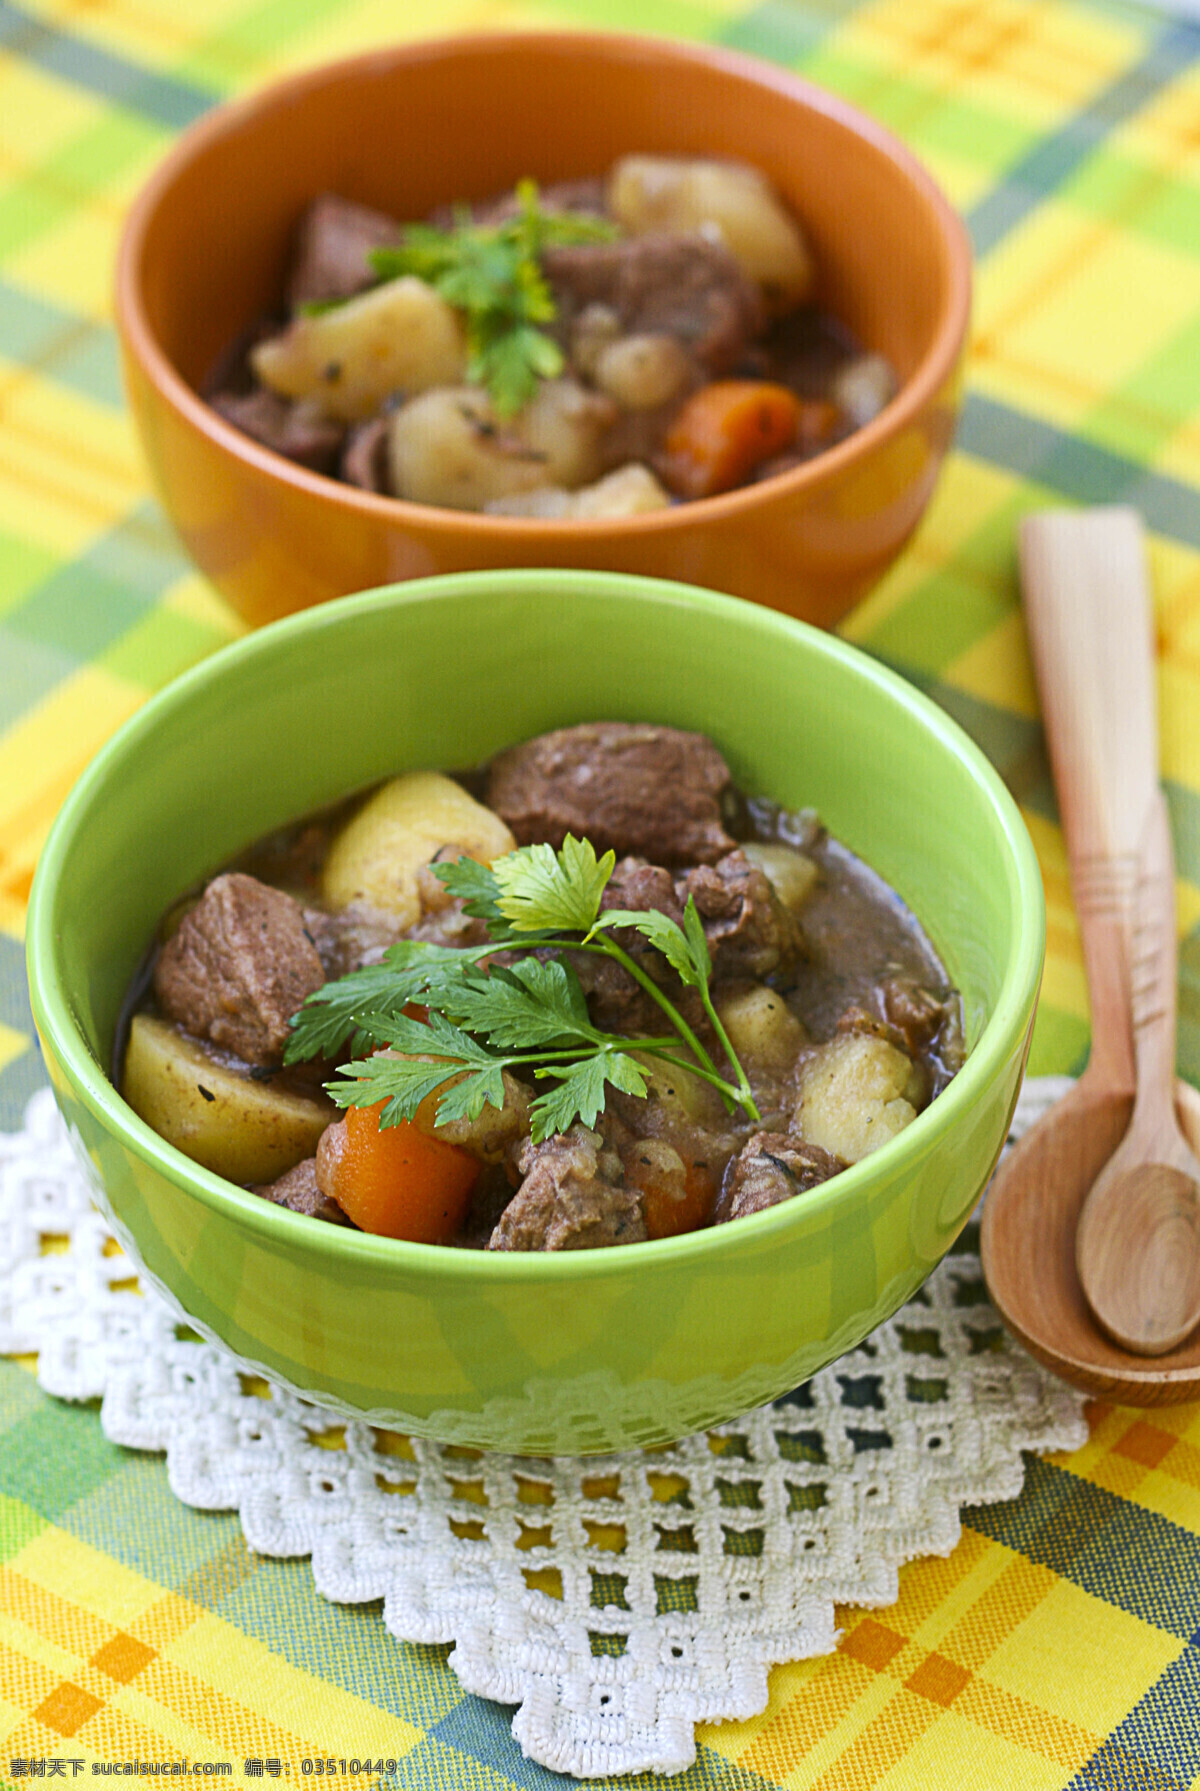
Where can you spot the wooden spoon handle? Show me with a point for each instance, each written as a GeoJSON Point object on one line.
{"type": "Point", "coordinates": [1087, 609]}
{"type": "Point", "coordinates": [1153, 966]}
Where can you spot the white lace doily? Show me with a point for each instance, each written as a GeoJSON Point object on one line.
{"type": "Point", "coordinates": [618, 1600]}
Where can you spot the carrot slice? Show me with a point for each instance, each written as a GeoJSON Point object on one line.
{"type": "Point", "coordinates": [668, 1209]}
{"type": "Point", "coordinates": [400, 1182]}
{"type": "Point", "coordinates": [724, 431]}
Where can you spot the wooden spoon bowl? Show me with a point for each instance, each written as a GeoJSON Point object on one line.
{"type": "Point", "coordinates": [1028, 1248]}
{"type": "Point", "coordinates": [1137, 1247]}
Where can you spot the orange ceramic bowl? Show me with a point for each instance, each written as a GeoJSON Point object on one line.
{"type": "Point", "coordinates": [407, 128]}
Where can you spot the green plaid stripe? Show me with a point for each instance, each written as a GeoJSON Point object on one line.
{"type": "Point", "coordinates": [69, 58]}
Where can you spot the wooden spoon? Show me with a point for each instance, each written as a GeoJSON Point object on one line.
{"type": "Point", "coordinates": [1137, 1248]}
{"type": "Point", "coordinates": [1088, 615]}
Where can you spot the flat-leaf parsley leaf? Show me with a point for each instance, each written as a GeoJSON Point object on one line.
{"type": "Point", "coordinates": [492, 273]}
{"type": "Point", "coordinates": [544, 891]}
{"type": "Point", "coordinates": [528, 1015]}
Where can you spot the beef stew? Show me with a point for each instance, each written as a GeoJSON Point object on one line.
{"type": "Point", "coordinates": [602, 349]}
{"type": "Point", "coordinates": [592, 994]}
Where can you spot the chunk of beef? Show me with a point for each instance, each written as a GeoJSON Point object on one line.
{"type": "Point", "coordinates": [862, 1019]}
{"type": "Point", "coordinates": [778, 463]}
{"type": "Point", "coordinates": [615, 1001]}
{"type": "Point", "coordinates": [291, 858]}
{"type": "Point", "coordinates": [681, 286]}
{"type": "Point", "coordinates": [333, 239]}
{"type": "Point", "coordinates": [587, 195]}
{"type": "Point", "coordinates": [749, 931]}
{"type": "Point", "coordinates": [364, 459]}
{"type": "Point", "coordinates": [353, 936]}
{"type": "Point", "coordinates": [299, 431]}
{"type": "Point", "coordinates": [231, 375]}
{"type": "Point", "coordinates": [573, 1197]}
{"type": "Point", "coordinates": [490, 1196]}
{"type": "Point", "coordinates": [770, 1167]}
{"type": "Point", "coordinates": [750, 934]}
{"type": "Point", "coordinates": [618, 1004]}
{"type": "Point", "coordinates": [639, 435]}
{"type": "Point", "coordinates": [929, 1028]}
{"type": "Point", "coordinates": [639, 886]}
{"type": "Point", "coordinates": [331, 1148]}
{"type": "Point", "coordinates": [917, 1015]}
{"type": "Point", "coordinates": [238, 967]}
{"type": "Point", "coordinates": [650, 791]}
{"type": "Point", "coordinates": [300, 1191]}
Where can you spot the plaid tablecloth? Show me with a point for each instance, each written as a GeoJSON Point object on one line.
{"type": "Point", "coordinates": [1059, 1645]}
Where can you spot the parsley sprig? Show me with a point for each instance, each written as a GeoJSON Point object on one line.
{"type": "Point", "coordinates": [493, 275]}
{"type": "Point", "coordinates": [528, 1016]}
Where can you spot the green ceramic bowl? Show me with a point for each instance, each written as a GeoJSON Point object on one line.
{"type": "Point", "coordinates": [591, 1350]}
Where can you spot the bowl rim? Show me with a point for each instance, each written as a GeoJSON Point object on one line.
{"type": "Point", "coordinates": [928, 378]}
{"type": "Point", "coordinates": [1000, 1038]}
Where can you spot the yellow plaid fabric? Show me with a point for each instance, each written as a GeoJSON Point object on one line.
{"type": "Point", "coordinates": [1059, 1645]}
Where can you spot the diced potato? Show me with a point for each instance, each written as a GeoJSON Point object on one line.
{"type": "Point", "coordinates": [677, 1100]}
{"type": "Point", "coordinates": [629, 491]}
{"type": "Point", "coordinates": [243, 1129]}
{"type": "Point", "coordinates": [728, 200]}
{"type": "Point", "coordinates": [594, 330]}
{"type": "Point", "coordinates": [563, 423]}
{"type": "Point", "coordinates": [864, 387]}
{"type": "Point", "coordinates": [639, 372]}
{"type": "Point", "coordinates": [449, 448]}
{"type": "Point", "coordinates": [852, 1096]}
{"type": "Point", "coordinates": [660, 1172]}
{"type": "Point", "coordinates": [377, 855]}
{"type": "Point", "coordinates": [791, 873]}
{"type": "Point", "coordinates": [399, 337]}
{"type": "Point", "coordinates": [493, 1132]}
{"type": "Point", "coordinates": [762, 1028]}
